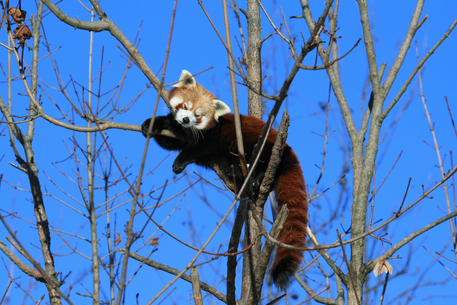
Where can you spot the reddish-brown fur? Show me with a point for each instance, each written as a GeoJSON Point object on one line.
{"type": "Point", "coordinates": [289, 187]}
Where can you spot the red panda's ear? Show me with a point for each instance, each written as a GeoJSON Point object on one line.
{"type": "Point", "coordinates": [221, 109]}
{"type": "Point", "coordinates": [186, 80]}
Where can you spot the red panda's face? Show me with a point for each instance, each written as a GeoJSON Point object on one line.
{"type": "Point", "coordinates": [194, 106]}
{"type": "Point", "coordinates": [189, 115]}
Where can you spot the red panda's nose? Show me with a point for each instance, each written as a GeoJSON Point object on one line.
{"type": "Point", "coordinates": [185, 120]}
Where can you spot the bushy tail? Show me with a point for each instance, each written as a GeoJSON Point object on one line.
{"type": "Point", "coordinates": [290, 189]}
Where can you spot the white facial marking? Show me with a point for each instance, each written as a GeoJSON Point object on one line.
{"type": "Point", "coordinates": [185, 118]}
{"type": "Point", "coordinates": [175, 101]}
{"type": "Point", "coordinates": [199, 111]}
{"type": "Point", "coordinates": [203, 123]}
{"type": "Point", "coordinates": [189, 105]}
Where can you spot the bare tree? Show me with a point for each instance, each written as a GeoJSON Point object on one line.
{"type": "Point", "coordinates": [120, 209]}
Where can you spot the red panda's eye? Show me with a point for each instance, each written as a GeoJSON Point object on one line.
{"type": "Point", "coordinates": [185, 107]}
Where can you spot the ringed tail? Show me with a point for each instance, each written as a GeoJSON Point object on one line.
{"type": "Point", "coordinates": [290, 190]}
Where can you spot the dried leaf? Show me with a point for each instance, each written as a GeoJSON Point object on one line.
{"type": "Point", "coordinates": [154, 241]}
{"type": "Point", "coordinates": [117, 240]}
{"type": "Point", "coordinates": [17, 15]}
{"type": "Point", "coordinates": [382, 266]}
{"type": "Point", "coordinates": [22, 33]}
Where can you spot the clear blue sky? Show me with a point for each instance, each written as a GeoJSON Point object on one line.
{"type": "Point", "coordinates": [196, 47]}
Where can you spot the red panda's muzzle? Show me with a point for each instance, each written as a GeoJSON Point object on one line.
{"type": "Point", "coordinates": [185, 118]}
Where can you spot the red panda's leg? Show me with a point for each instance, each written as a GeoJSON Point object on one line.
{"type": "Point", "coordinates": [182, 160]}
{"type": "Point", "coordinates": [199, 153]}
{"type": "Point", "coordinates": [165, 123]}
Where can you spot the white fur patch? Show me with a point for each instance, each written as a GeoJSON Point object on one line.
{"type": "Point", "coordinates": [181, 116]}
{"type": "Point", "coordinates": [189, 105]}
{"type": "Point", "coordinates": [203, 123]}
{"type": "Point", "coordinates": [199, 111]}
{"type": "Point", "coordinates": [175, 101]}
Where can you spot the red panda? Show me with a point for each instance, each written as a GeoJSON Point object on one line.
{"type": "Point", "coordinates": [205, 135]}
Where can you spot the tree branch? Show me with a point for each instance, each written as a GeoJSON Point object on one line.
{"type": "Point", "coordinates": [413, 74]}
{"type": "Point", "coordinates": [370, 265]}
{"type": "Point", "coordinates": [174, 271]}
{"type": "Point", "coordinates": [21, 265]}
{"type": "Point", "coordinates": [105, 24]}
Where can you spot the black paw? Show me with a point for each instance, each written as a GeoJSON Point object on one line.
{"type": "Point", "coordinates": [145, 128]}
{"type": "Point", "coordinates": [178, 167]}
{"type": "Point", "coordinates": [155, 130]}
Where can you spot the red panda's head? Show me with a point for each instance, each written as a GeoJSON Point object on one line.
{"type": "Point", "coordinates": [193, 105]}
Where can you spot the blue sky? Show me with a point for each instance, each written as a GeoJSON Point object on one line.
{"type": "Point", "coordinates": [196, 47]}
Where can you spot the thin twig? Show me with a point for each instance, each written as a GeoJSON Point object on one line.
{"type": "Point", "coordinates": [384, 288]}
{"type": "Point", "coordinates": [418, 67]}
{"type": "Point", "coordinates": [143, 161]}
{"type": "Point", "coordinates": [173, 271]}
{"type": "Point", "coordinates": [444, 266]}
{"type": "Point", "coordinates": [239, 135]}
{"type": "Point", "coordinates": [438, 154]}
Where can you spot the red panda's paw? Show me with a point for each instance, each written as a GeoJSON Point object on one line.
{"type": "Point", "coordinates": [145, 128]}
{"type": "Point", "coordinates": [178, 166]}
{"type": "Point", "coordinates": [155, 130]}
